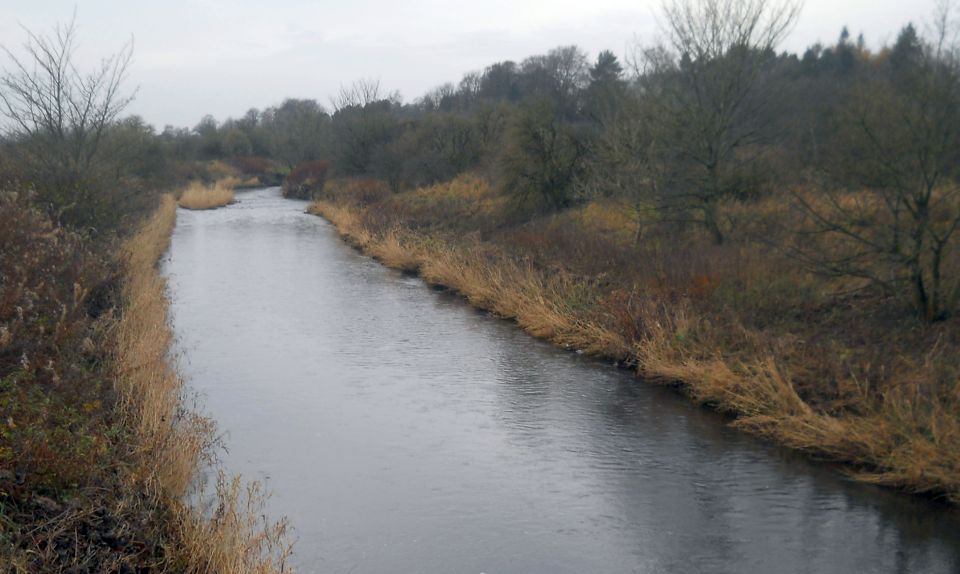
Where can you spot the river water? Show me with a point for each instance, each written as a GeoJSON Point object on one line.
{"type": "Point", "coordinates": [401, 430]}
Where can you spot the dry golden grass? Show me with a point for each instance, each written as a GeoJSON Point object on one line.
{"type": "Point", "coordinates": [394, 253]}
{"type": "Point", "coordinates": [345, 220]}
{"type": "Point", "coordinates": [905, 435]}
{"type": "Point", "coordinates": [200, 196]}
{"type": "Point", "coordinates": [169, 441]}
{"type": "Point", "coordinates": [488, 279]}
{"type": "Point", "coordinates": [233, 535]}
{"type": "Point", "coordinates": [236, 182]}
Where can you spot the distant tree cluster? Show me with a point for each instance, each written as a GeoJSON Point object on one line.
{"type": "Point", "coordinates": [861, 144]}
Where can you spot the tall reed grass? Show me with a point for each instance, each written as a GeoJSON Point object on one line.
{"type": "Point", "coordinates": [200, 196]}
{"type": "Point", "coordinates": [171, 445]}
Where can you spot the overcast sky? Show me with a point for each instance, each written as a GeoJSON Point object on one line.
{"type": "Point", "coordinates": [222, 57]}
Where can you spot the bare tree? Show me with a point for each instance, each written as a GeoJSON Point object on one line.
{"type": "Point", "coordinates": [559, 75]}
{"type": "Point", "coordinates": [298, 131]}
{"type": "Point", "coordinates": [710, 91]}
{"type": "Point", "coordinates": [56, 114]}
{"type": "Point", "coordinates": [360, 93]}
{"type": "Point", "coordinates": [629, 161]}
{"type": "Point", "coordinates": [442, 98]}
{"type": "Point", "coordinates": [469, 87]}
{"type": "Point", "coordinates": [898, 227]}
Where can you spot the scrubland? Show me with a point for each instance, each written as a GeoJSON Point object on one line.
{"type": "Point", "coordinates": [820, 365]}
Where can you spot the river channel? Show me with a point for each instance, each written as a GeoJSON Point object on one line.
{"type": "Point", "coordinates": [401, 430]}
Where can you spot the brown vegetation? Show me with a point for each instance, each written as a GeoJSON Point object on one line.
{"type": "Point", "coordinates": [198, 195]}
{"type": "Point", "coordinates": [171, 440]}
{"type": "Point", "coordinates": [817, 364]}
{"type": "Point", "coordinates": [97, 449]}
{"type": "Point", "coordinates": [306, 180]}
{"type": "Point", "coordinates": [257, 171]}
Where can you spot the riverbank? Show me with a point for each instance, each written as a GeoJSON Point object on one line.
{"type": "Point", "coordinates": [199, 196]}
{"type": "Point", "coordinates": [737, 328]}
{"type": "Point", "coordinates": [99, 449]}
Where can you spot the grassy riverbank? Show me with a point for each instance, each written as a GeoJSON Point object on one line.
{"type": "Point", "coordinates": [199, 195]}
{"type": "Point", "coordinates": [98, 448]}
{"type": "Point", "coordinates": [808, 362]}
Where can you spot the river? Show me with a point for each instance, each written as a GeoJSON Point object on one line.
{"type": "Point", "coordinates": [401, 430]}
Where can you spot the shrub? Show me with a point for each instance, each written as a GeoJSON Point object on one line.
{"type": "Point", "coordinates": [543, 157]}
{"type": "Point", "coordinates": [265, 170]}
{"type": "Point", "coordinates": [51, 286]}
{"type": "Point", "coordinates": [356, 191]}
{"type": "Point", "coordinates": [306, 180]}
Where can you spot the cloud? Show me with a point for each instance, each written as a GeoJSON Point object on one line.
{"type": "Point", "coordinates": [194, 57]}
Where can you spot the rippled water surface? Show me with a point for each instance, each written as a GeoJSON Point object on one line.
{"type": "Point", "coordinates": [401, 430]}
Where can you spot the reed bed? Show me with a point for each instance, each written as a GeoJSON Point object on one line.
{"type": "Point", "coordinates": [201, 196]}
{"type": "Point", "coordinates": [171, 444]}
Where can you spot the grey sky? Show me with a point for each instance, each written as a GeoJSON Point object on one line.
{"type": "Point", "coordinates": [194, 57]}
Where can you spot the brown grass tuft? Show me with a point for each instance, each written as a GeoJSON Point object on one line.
{"type": "Point", "coordinates": [200, 196]}
{"type": "Point", "coordinates": [232, 534]}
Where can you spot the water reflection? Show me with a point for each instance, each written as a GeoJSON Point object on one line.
{"type": "Point", "coordinates": [402, 430]}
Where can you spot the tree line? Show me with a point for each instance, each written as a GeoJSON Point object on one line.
{"type": "Point", "coordinates": [859, 145]}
